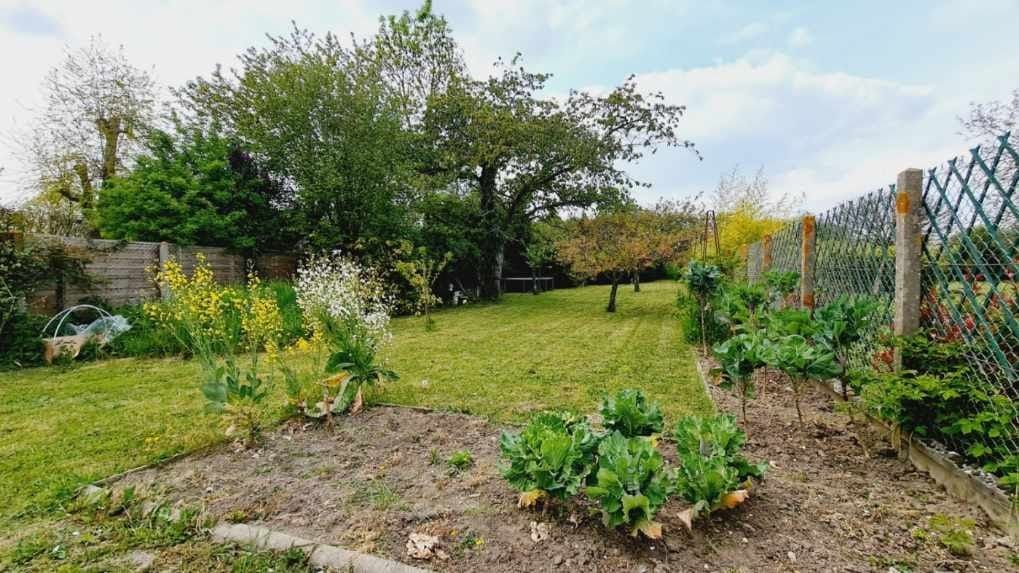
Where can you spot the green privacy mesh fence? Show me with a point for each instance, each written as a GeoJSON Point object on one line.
{"type": "Point", "coordinates": [855, 256]}
{"type": "Point", "coordinates": [970, 262]}
{"type": "Point", "coordinates": [785, 248]}
{"type": "Point", "coordinates": [971, 259]}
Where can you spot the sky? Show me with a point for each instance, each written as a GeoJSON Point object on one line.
{"type": "Point", "coordinates": [832, 99]}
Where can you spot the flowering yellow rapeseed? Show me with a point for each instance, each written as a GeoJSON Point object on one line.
{"type": "Point", "coordinates": [215, 317]}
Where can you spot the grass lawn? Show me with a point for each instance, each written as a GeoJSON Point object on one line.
{"type": "Point", "coordinates": [62, 427]}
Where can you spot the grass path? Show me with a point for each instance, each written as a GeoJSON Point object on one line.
{"type": "Point", "coordinates": [62, 427]}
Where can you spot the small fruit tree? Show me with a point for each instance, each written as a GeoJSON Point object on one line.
{"type": "Point", "coordinates": [703, 280]}
{"type": "Point", "coordinates": [620, 243]}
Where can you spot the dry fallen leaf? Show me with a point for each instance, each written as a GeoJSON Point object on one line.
{"type": "Point", "coordinates": [734, 498]}
{"type": "Point", "coordinates": [423, 546]}
{"type": "Point", "coordinates": [652, 529]}
{"type": "Point", "coordinates": [540, 531]}
{"type": "Point", "coordinates": [530, 498]}
{"type": "Point", "coordinates": [686, 516]}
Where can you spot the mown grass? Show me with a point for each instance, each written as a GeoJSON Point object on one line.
{"type": "Point", "coordinates": [62, 427]}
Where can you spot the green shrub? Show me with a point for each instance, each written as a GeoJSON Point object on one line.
{"type": "Point", "coordinates": [781, 284]}
{"type": "Point", "coordinates": [957, 409]}
{"type": "Point", "coordinates": [713, 472]}
{"type": "Point", "coordinates": [630, 413]}
{"type": "Point", "coordinates": [689, 313]}
{"type": "Point", "coordinates": [294, 326]}
{"type": "Point", "coordinates": [842, 323]}
{"type": "Point", "coordinates": [632, 484]}
{"type": "Point", "coordinates": [20, 341]}
{"type": "Point", "coordinates": [550, 458]}
{"type": "Point", "coordinates": [801, 361]}
{"type": "Point", "coordinates": [147, 337]}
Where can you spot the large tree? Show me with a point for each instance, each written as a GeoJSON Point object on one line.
{"type": "Point", "coordinates": [318, 117]}
{"type": "Point", "coordinates": [98, 106]}
{"type": "Point", "coordinates": [195, 188]}
{"type": "Point", "coordinates": [528, 156]}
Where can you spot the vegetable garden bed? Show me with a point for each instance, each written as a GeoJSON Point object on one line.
{"type": "Point", "coordinates": [837, 498]}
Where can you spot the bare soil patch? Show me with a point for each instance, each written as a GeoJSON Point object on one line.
{"type": "Point", "coordinates": [837, 498]}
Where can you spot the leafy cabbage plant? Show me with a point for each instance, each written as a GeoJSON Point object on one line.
{"type": "Point", "coordinates": [632, 484]}
{"type": "Point", "coordinates": [630, 413]}
{"type": "Point", "coordinates": [550, 458]}
{"type": "Point", "coordinates": [713, 473]}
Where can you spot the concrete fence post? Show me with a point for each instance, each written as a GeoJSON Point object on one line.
{"type": "Point", "coordinates": [164, 257]}
{"type": "Point", "coordinates": [808, 262]}
{"type": "Point", "coordinates": [765, 254]}
{"type": "Point", "coordinates": [908, 245]}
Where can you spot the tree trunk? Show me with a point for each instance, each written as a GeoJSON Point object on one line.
{"type": "Point", "coordinates": [636, 281]}
{"type": "Point", "coordinates": [110, 130]}
{"type": "Point", "coordinates": [612, 294]}
{"type": "Point", "coordinates": [534, 281]}
{"type": "Point", "coordinates": [494, 242]}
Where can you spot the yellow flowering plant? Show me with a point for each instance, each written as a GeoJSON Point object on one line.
{"type": "Point", "coordinates": [216, 322]}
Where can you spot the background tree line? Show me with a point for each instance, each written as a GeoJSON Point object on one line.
{"type": "Point", "coordinates": [323, 144]}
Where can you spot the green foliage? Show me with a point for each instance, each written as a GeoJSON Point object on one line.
{"type": "Point", "coordinates": [703, 279]}
{"type": "Point", "coordinates": [238, 398]}
{"type": "Point", "coordinates": [844, 321]}
{"type": "Point", "coordinates": [319, 115]}
{"type": "Point", "coordinates": [460, 461]}
{"type": "Point", "coordinates": [689, 314]}
{"type": "Point", "coordinates": [781, 284]}
{"type": "Point", "coordinates": [716, 436]}
{"type": "Point", "coordinates": [789, 321]}
{"type": "Point", "coordinates": [957, 408]}
{"type": "Point", "coordinates": [953, 533]}
{"type": "Point", "coordinates": [552, 456]}
{"type": "Point", "coordinates": [802, 361]}
{"type": "Point", "coordinates": [632, 484]}
{"type": "Point", "coordinates": [711, 465]}
{"type": "Point", "coordinates": [739, 357]}
{"type": "Point", "coordinates": [20, 341]}
{"type": "Point", "coordinates": [630, 413]}
{"type": "Point", "coordinates": [194, 188]}
{"type": "Point", "coordinates": [924, 354]}
{"type": "Point", "coordinates": [739, 306]}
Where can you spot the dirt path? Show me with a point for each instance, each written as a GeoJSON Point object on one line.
{"type": "Point", "coordinates": [825, 506]}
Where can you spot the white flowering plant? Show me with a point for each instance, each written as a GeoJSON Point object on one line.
{"type": "Point", "coordinates": [348, 309]}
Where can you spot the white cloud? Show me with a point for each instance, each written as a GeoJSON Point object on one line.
{"type": "Point", "coordinates": [800, 38]}
{"type": "Point", "coordinates": [767, 94]}
{"type": "Point", "coordinates": [828, 136]}
{"type": "Point", "coordinates": [749, 32]}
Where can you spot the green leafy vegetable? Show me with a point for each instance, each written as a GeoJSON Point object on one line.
{"type": "Point", "coordinates": [632, 484]}
{"type": "Point", "coordinates": [739, 357]}
{"type": "Point", "coordinates": [630, 413]}
{"type": "Point", "coordinates": [802, 361]}
{"type": "Point", "coordinates": [713, 472]}
{"type": "Point", "coordinates": [550, 458]}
